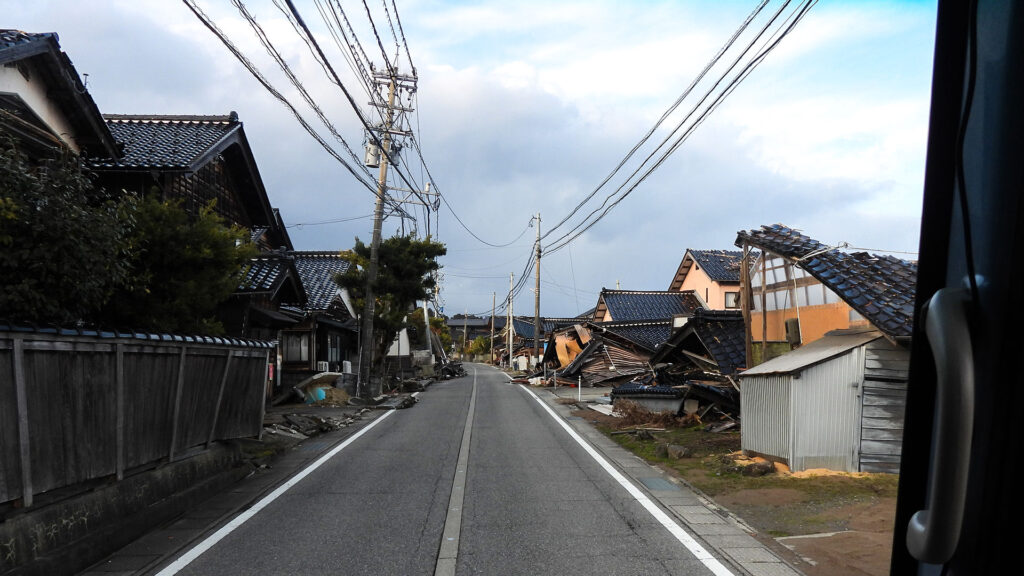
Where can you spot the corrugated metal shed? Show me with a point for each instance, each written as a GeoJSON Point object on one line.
{"type": "Point", "coordinates": [836, 403]}
{"type": "Point", "coordinates": [833, 344]}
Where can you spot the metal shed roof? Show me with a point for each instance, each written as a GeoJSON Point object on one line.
{"type": "Point", "coordinates": [831, 345]}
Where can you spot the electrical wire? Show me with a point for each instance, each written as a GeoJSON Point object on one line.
{"type": "Point", "coordinates": [348, 95]}
{"type": "Point", "coordinates": [334, 221]}
{"type": "Point", "coordinates": [404, 43]}
{"type": "Point", "coordinates": [283, 65]}
{"type": "Point", "coordinates": [254, 71]}
{"type": "Point", "coordinates": [686, 118]}
{"type": "Point", "coordinates": [788, 24]}
{"type": "Point", "coordinates": [732, 40]}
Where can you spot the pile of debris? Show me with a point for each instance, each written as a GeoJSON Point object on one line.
{"type": "Point", "coordinates": [302, 426]}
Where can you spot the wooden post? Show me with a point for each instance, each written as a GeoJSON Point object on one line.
{"type": "Point", "coordinates": [176, 414]}
{"type": "Point", "coordinates": [263, 404]}
{"type": "Point", "coordinates": [220, 394]}
{"type": "Point", "coordinates": [764, 306]}
{"type": "Point", "coordinates": [119, 400]}
{"type": "Point", "coordinates": [746, 303]}
{"type": "Point", "coordinates": [23, 439]}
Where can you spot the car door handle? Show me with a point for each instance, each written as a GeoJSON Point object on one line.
{"type": "Point", "coordinates": [933, 533]}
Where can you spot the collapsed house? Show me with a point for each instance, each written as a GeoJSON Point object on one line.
{"type": "Point", "coordinates": [604, 353]}
{"type": "Point", "coordinates": [696, 365]}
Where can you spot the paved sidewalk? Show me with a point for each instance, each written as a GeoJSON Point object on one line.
{"type": "Point", "coordinates": [715, 527]}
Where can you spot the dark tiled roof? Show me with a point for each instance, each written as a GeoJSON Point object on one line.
{"type": "Point", "coordinates": [18, 38]}
{"type": "Point", "coordinates": [524, 327]}
{"type": "Point", "coordinates": [316, 272]}
{"type": "Point", "coordinates": [552, 324]}
{"type": "Point", "coordinates": [265, 273]}
{"type": "Point", "coordinates": [633, 305]}
{"type": "Point", "coordinates": [168, 142]}
{"type": "Point", "coordinates": [647, 334]}
{"type": "Point", "coordinates": [719, 265]}
{"type": "Point", "coordinates": [721, 332]}
{"type": "Point", "coordinates": [880, 288]}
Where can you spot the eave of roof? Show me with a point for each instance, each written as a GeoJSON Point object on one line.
{"type": "Point", "coordinates": [68, 92]}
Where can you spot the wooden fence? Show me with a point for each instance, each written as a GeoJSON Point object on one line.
{"type": "Point", "coordinates": [80, 406]}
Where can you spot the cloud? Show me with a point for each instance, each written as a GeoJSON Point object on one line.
{"type": "Point", "coordinates": [526, 106]}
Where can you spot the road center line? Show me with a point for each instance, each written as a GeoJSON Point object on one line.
{"type": "Point", "coordinates": [448, 553]}
{"type": "Point", "coordinates": [237, 521]}
{"type": "Point", "coordinates": [684, 537]}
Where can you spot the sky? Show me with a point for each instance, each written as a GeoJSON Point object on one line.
{"type": "Point", "coordinates": [524, 107]}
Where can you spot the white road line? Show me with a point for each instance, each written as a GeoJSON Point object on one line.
{"type": "Point", "coordinates": [237, 521]}
{"type": "Point", "coordinates": [448, 552]}
{"type": "Point", "coordinates": [684, 537]}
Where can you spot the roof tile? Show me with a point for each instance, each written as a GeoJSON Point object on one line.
{"type": "Point", "coordinates": [164, 141]}
{"type": "Point", "coordinates": [880, 287]}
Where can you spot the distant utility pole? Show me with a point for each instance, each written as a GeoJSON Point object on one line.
{"type": "Point", "coordinates": [536, 298]}
{"type": "Point", "coordinates": [465, 329]}
{"type": "Point", "coordinates": [508, 327]}
{"type": "Point", "coordinates": [493, 301]}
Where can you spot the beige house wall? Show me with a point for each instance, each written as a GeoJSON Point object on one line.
{"type": "Point", "coordinates": [712, 292]}
{"type": "Point", "coordinates": [33, 92]}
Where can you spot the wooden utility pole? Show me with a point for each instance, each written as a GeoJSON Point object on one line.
{"type": "Point", "coordinates": [508, 338]}
{"type": "Point", "coordinates": [366, 388]}
{"type": "Point", "coordinates": [465, 330]}
{"type": "Point", "coordinates": [493, 302]}
{"type": "Point", "coordinates": [536, 298]}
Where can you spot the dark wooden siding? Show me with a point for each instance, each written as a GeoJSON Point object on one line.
{"type": "Point", "coordinates": [883, 399]}
{"type": "Point", "coordinates": [82, 408]}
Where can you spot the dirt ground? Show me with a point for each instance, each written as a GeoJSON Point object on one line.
{"type": "Point", "coordinates": [824, 523]}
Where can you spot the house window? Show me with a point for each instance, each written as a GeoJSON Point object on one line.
{"type": "Point", "coordinates": [295, 347]}
{"type": "Point", "coordinates": [334, 348]}
{"type": "Point", "coordinates": [732, 299]}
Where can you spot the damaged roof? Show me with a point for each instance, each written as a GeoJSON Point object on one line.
{"type": "Point", "coordinates": [316, 272]}
{"type": "Point", "coordinates": [718, 265]}
{"type": "Point", "coordinates": [167, 142]}
{"type": "Point", "coordinates": [719, 332]}
{"type": "Point", "coordinates": [646, 334]}
{"type": "Point", "coordinates": [634, 305]}
{"type": "Point", "coordinates": [879, 287]}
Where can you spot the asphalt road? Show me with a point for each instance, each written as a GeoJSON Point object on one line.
{"type": "Point", "coordinates": [528, 499]}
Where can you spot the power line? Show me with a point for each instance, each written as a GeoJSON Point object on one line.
{"type": "Point", "coordinates": [682, 122]}
{"type": "Point", "coordinates": [757, 10]}
{"type": "Point", "coordinates": [348, 95]}
{"type": "Point", "coordinates": [276, 55]}
{"type": "Point", "coordinates": [334, 221]}
{"type": "Point", "coordinates": [208, 22]}
{"type": "Point", "coordinates": [788, 24]}
{"type": "Point", "coordinates": [383, 52]}
{"type": "Point", "coordinates": [404, 43]}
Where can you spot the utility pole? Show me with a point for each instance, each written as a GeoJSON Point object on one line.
{"type": "Point", "coordinates": [508, 327]}
{"type": "Point", "coordinates": [465, 330]}
{"type": "Point", "coordinates": [493, 301]}
{"type": "Point", "coordinates": [366, 388]}
{"type": "Point", "coordinates": [536, 298]}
